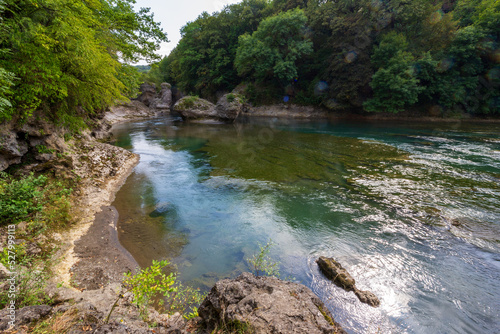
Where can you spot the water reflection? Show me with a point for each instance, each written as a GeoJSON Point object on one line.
{"type": "Point", "coordinates": [413, 213]}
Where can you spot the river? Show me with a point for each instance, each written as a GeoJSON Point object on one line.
{"type": "Point", "coordinates": [411, 210]}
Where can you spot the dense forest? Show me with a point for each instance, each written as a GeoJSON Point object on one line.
{"type": "Point", "coordinates": [376, 55]}
{"type": "Point", "coordinates": [69, 58]}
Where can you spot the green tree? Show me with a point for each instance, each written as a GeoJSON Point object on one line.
{"type": "Point", "coordinates": [395, 85]}
{"type": "Point", "coordinates": [272, 52]}
{"type": "Point", "coordinates": [68, 54]}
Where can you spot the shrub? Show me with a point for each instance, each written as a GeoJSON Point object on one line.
{"type": "Point", "coordinates": [262, 263]}
{"type": "Point", "coordinates": [20, 198]}
{"type": "Point", "coordinates": [151, 285]}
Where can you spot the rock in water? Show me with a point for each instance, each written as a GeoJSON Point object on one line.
{"type": "Point", "coordinates": [266, 305]}
{"type": "Point", "coordinates": [192, 107]}
{"type": "Point", "coordinates": [229, 107]}
{"type": "Point", "coordinates": [336, 273]}
{"type": "Point", "coordinates": [367, 297]}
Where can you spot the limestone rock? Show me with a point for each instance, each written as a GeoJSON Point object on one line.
{"type": "Point", "coordinates": [192, 107]}
{"type": "Point", "coordinates": [148, 93]}
{"type": "Point", "coordinates": [230, 106]}
{"type": "Point", "coordinates": [11, 146]}
{"type": "Point", "coordinates": [266, 305]}
{"type": "Point", "coordinates": [165, 100]}
{"type": "Point", "coordinates": [23, 316]}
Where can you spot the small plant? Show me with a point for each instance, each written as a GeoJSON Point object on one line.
{"type": "Point", "coordinates": [230, 97]}
{"type": "Point", "coordinates": [30, 285]}
{"type": "Point", "coordinates": [43, 149]}
{"type": "Point", "coordinates": [233, 327]}
{"type": "Point", "coordinates": [148, 284]}
{"type": "Point", "coordinates": [262, 263]}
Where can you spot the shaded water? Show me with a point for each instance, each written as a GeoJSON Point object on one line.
{"type": "Point", "coordinates": [412, 211]}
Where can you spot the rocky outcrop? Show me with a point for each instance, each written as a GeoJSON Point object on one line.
{"type": "Point", "coordinates": [148, 93]}
{"type": "Point", "coordinates": [193, 107]}
{"type": "Point", "coordinates": [336, 273]}
{"type": "Point", "coordinates": [266, 305]}
{"type": "Point", "coordinates": [165, 98]}
{"type": "Point", "coordinates": [37, 136]}
{"type": "Point", "coordinates": [158, 101]}
{"type": "Point", "coordinates": [133, 110]}
{"type": "Point", "coordinates": [24, 316]}
{"type": "Point", "coordinates": [230, 106]}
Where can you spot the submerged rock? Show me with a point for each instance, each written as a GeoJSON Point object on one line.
{"type": "Point", "coordinates": [367, 297]}
{"type": "Point", "coordinates": [266, 305]}
{"type": "Point", "coordinates": [336, 273]}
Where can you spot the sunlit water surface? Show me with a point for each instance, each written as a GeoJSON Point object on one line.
{"type": "Point", "coordinates": [412, 211]}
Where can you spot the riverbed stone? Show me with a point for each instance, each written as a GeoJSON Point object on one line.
{"type": "Point", "coordinates": [338, 275]}
{"type": "Point", "coordinates": [367, 297]}
{"type": "Point", "coordinates": [266, 305]}
{"type": "Point", "coordinates": [335, 272]}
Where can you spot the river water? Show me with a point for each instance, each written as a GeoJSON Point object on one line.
{"type": "Point", "coordinates": [411, 210]}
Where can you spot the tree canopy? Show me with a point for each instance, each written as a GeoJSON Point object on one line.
{"type": "Point", "coordinates": [69, 58]}
{"type": "Point", "coordinates": [373, 55]}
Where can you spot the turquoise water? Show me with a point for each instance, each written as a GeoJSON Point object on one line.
{"type": "Point", "coordinates": [411, 210]}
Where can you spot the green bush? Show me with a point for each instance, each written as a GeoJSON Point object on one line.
{"type": "Point", "coordinates": [151, 285]}
{"type": "Point", "coordinates": [20, 199]}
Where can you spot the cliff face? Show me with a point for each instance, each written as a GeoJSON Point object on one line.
{"type": "Point", "coordinates": [37, 139]}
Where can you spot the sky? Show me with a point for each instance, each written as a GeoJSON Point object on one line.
{"type": "Point", "coordinates": [174, 14]}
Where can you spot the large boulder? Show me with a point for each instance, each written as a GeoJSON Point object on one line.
{"type": "Point", "coordinates": [165, 99]}
{"type": "Point", "coordinates": [266, 305]}
{"type": "Point", "coordinates": [193, 107]}
{"type": "Point", "coordinates": [148, 93]}
{"type": "Point", "coordinates": [230, 106]}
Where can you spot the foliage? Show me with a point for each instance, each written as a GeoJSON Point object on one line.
{"type": "Point", "coordinates": [273, 50]}
{"type": "Point", "coordinates": [151, 285]}
{"type": "Point", "coordinates": [67, 55]}
{"type": "Point", "coordinates": [377, 55]}
{"type": "Point", "coordinates": [20, 199]}
{"type": "Point", "coordinates": [395, 84]}
{"type": "Point", "coordinates": [31, 280]}
{"type": "Point", "coordinates": [30, 287]}
{"type": "Point", "coordinates": [233, 327]}
{"type": "Point", "coordinates": [41, 201]}
{"type": "Point", "coordinates": [262, 263]}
